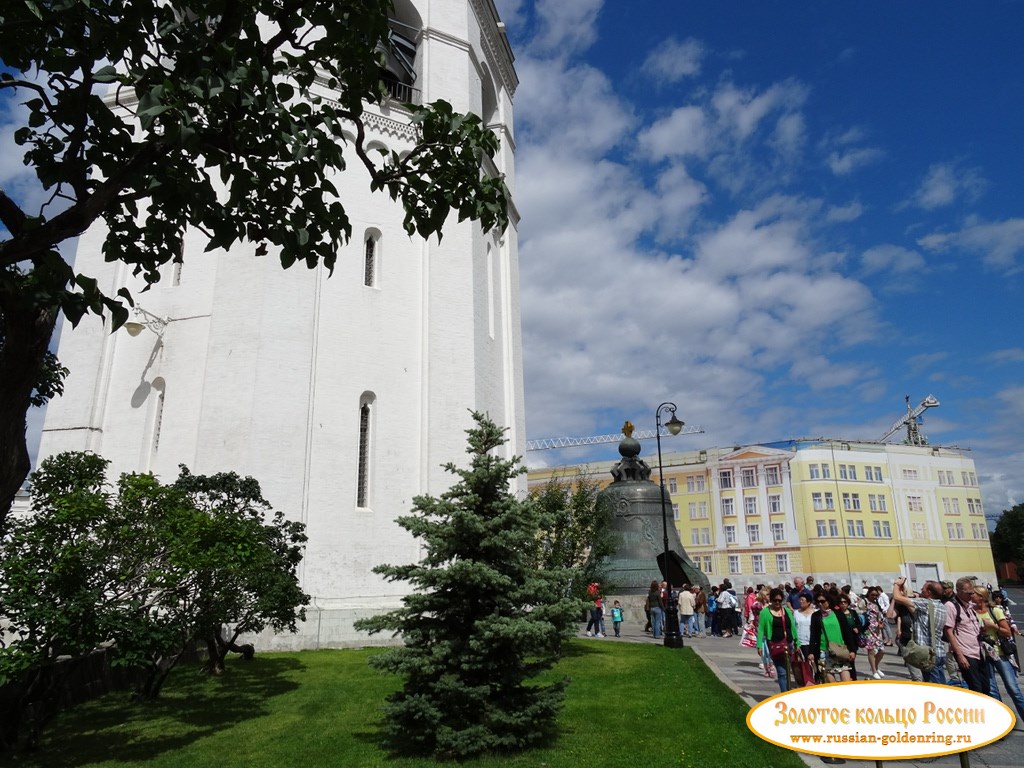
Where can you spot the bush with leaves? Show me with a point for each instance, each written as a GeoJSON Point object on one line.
{"type": "Point", "coordinates": [145, 572]}
{"type": "Point", "coordinates": [481, 621]}
{"type": "Point", "coordinates": [578, 533]}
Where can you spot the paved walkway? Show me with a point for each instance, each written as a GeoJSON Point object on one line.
{"type": "Point", "coordinates": [737, 668]}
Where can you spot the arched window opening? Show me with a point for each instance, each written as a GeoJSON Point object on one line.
{"type": "Point", "coordinates": [371, 258]}
{"type": "Point", "coordinates": [488, 99]}
{"type": "Point", "coordinates": [399, 70]}
{"type": "Point", "coordinates": [363, 460]}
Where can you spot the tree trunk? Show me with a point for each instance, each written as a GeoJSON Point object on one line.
{"type": "Point", "coordinates": [27, 328]}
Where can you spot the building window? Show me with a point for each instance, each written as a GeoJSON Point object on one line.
{"type": "Point", "coordinates": [956, 506]}
{"type": "Point", "coordinates": [749, 477]}
{"type": "Point", "coordinates": [754, 533]}
{"type": "Point", "coordinates": [778, 532]}
{"type": "Point", "coordinates": [815, 472]}
{"type": "Point", "coordinates": [363, 468]}
{"type": "Point", "coordinates": [851, 502]}
{"type": "Point", "coordinates": [853, 472]}
{"type": "Point", "coordinates": [842, 472]}
{"type": "Point", "coordinates": [881, 529]}
{"type": "Point", "coordinates": [672, 485]}
{"type": "Point", "coordinates": [702, 510]}
{"type": "Point", "coordinates": [833, 528]}
{"type": "Point", "coordinates": [371, 248]}
{"type": "Point", "coordinates": [675, 512]}
{"type": "Point", "coordinates": [826, 471]}
{"type": "Point", "coordinates": [877, 472]}
{"type": "Point", "coordinates": [946, 506]}
{"type": "Point", "coordinates": [725, 478]}
{"type": "Point", "coordinates": [822, 529]}
{"type": "Point", "coordinates": [705, 536]}
{"type": "Point", "coordinates": [707, 564]}
{"type": "Point", "coordinates": [942, 478]}
{"type": "Point", "coordinates": [782, 562]}
{"type": "Point", "coordinates": [816, 498]}
{"type": "Point", "coordinates": [959, 530]}
{"type": "Point", "coordinates": [771, 476]}
{"type": "Point", "coordinates": [914, 504]}
{"type": "Point", "coordinates": [830, 502]}
{"type": "Point", "coordinates": [855, 528]}
{"type": "Point", "coordinates": [774, 503]}
{"type": "Point", "coordinates": [730, 534]}
{"type": "Point", "coordinates": [846, 502]}
{"type": "Point", "coordinates": [909, 474]}
{"type": "Point", "coordinates": [728, 508]}
{"type": "Point", "coordinates": [877, 503]}
{"type": "Point", "coordinates": [750, 505]}
{"type": "Point", "coordinates": [694, 537]}
{"type": "Point", "coordinates": [757, 563]}
{"type": "Point", "coordinates": [734, 564]}
{"type": "Point", "coordinates": [920, 532]}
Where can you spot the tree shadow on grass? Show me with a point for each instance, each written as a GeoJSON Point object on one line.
{"type": "Point", "coordinates": [192, 706]}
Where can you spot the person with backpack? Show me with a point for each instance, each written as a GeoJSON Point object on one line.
{"type": "Point", "coordinates": [929, 618]}
{"type": "Point", "coordinates": [963, 630]}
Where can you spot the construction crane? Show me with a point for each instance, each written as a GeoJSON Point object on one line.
{"type": "Point", "coordinates": [569, 442]}
{"type": "Point", "coordinates": [912, 421]}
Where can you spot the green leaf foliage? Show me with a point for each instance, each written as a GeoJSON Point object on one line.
{"type": "Point", "coordinates": [577, 533]}
{"type": "Point", "coordinates": [145, 569]}
{"type": "Point", "coordinates": [482, 620]}
{"type": "Point", "coordinates": [1008, 538]}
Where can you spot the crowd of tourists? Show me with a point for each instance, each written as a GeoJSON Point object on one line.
{"type": "Point", "coordinates": [807, 633]}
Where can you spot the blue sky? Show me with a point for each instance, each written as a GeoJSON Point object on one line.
{"type": "Point", "coordinates": [781, 216]}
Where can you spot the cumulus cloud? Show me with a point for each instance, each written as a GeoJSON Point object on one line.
{"type": "Point", "coordinates": [945, 184]}
{"type": "Point", "coordinates": [894, 259]}
{"type": "Point", "coordinates": [685, 131]}
{"type": "Point", "coordinates": [843, 213]}
{"type": "Point", "coordinates": [1009, 355]}
{"type": "Point", "coordinates": [675, 60]}
{"type": "Point", "coordinates": [565, 28]}
{"type": "Point", "coordinates": [999, 244]}
{"type": "Point", "coordinates": [844, 153]}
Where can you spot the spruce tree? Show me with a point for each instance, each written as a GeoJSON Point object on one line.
{"type": "Point", "coordinates": [481, 622]}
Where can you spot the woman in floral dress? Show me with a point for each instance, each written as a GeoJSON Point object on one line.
{"type": "Point", "coordinates": [874, 633]}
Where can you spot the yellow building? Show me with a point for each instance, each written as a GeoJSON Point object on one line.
{"type": "Point", "coordinates": [843, 511]}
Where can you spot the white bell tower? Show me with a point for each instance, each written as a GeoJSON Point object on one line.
{"type": "Point", "coordinates": [342, 395]}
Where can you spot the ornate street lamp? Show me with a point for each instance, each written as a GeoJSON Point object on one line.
{"type": "Point", "coordinates": [672, 637]}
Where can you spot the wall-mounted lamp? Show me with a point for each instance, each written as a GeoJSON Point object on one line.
{"type": "Point", "coordinates": [149, 321]}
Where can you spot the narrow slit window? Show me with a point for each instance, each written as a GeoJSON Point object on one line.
{"type": "Point", "coordinates": [370, 262]}
{"type": "Point", "coordinates": [362, 481]}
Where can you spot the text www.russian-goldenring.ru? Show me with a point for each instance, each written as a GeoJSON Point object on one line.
{"type": "Point", "coordinates": [885, 739]}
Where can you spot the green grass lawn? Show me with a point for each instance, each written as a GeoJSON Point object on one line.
{"type": "Point", "coordinates": [628, 704]}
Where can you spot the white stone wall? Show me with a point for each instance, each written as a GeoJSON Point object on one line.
{"type": "Point", "coordinates": [263, 369]}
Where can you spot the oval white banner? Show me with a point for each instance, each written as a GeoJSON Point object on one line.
{"type": "Point", "coordinates": [880, 720]}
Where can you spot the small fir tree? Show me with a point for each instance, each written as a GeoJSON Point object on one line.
{"type": "Point", "coordinates": [482, 620]}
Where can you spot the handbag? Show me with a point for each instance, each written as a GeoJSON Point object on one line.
{"type": "Point", "coordinates": [778, 650]}
{"type": "Point", "coordinates": [1008, 646]}
{"type": "Point", "coordinates": [839, 651]}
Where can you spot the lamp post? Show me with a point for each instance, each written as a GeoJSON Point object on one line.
{"type": "Point", "coordinates": [147, 321]}
{"type": "Point", "coordinates": [672, 637]}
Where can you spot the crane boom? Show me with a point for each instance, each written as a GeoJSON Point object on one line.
{"type": "Point", "coordinates": [914, 436]}
{"type": "Point", "coordinates": [568, 442]}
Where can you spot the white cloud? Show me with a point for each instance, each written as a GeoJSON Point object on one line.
{"type": "Point", "coordinates": [945, 183]}
{"type": "Point", "coordinates": [843, 213]}
{"type": "Point", "coordinates": [685, 131]}
{"type": "Point", "coordinates": [741, 110]}
{"type": "Point", "coordinates": [1000, 244]}
{"type": "Point", "coordinates": [674, 60]}
{"type": "Point", "coordinates": [891, 258]}
{"type": "Point", "coordinates": [574, 107]}
{"type": "Point", "coordinates": [1009, 355]}
{"type": "Point", "coordinates": [566, 28]}
{"type": "Point", "coordinates": [843, 162]}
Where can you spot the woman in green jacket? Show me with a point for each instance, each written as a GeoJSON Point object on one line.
{"type": "Point", "coordinates": [776, 633]}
